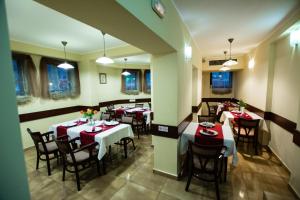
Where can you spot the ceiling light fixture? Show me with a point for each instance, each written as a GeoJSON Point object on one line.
{"type": "Point", "coordinates": [125, 72]}
{"type": "Point", "coordinates": [230, 62]}
{"type": "Point", "coordinates": [104, 60]}
{"type": "Point", "coordinates": [295, 37]}
{"type": "Point", "coordinates": [65, 65]}
{"type": "Point", "coordinates": [224, 68]}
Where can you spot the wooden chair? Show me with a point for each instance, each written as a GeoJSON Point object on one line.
{"type": "Point", "coordinates": [245, 128]}
{"type": "Point", "coordinates": [204, 118]}
{"type": "Point", "coordinates": [212, 109]}
{"type": "Point", "coordinates": [125, 141]}
{"type": "Point", "coordinates": [139, 105]}
{"type": "Point", "coordinates": [105, 116]}
{"type": "Point", "coordinates": [44, 147]}
{"type": "Point", "coordinates": [109, 109]}
{"type": "Point", "coordinates": [205, 163]}
{"type": "Point", "coordinates": [77, 159]}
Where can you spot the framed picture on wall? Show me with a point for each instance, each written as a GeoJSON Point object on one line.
{"type": "Point", "coordinates": [102, 77]}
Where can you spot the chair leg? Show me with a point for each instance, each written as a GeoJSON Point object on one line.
{"type": "Point", "coordinates": [225, 168]}
{"type": "Point", "coordinates": [255, 143]}
{"type": "Point", "coordinates": [132, 143]}
{"type": "Point", "coordinates": [77, 178]}
{"type": "Point", "coordinates": [37, 160]}
{"type": "Point", "coordinates": [48, 165]}
{"type": "Point", "coordinates": [189, 180]}
{"type": "Point", "coordinates": [104, 164]}
{"type": "Point", "coordinates": [109, 153]}
{"type": "Point", "coordinates": [217, 188]}
{"type": "Point", "coordinates": [64, 171]}
{"type": "Point", "coordinates": [98, 166]}
{"type": "Point", "coordinates": [125, 148]}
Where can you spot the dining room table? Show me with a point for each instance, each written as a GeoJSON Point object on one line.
{"type": "Point", "coordinates": [105, 133]}
{"type": "Point", "coordinates": [141, 112]}
{"type": "Point", "coordinates": [228, 116]}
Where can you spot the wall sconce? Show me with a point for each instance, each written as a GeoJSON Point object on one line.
{"type": "Point", "coordinates": [251, 63]}
{"type": "Point", "coordinates": [188, 52]}
{"type": "Point", "coordinates": [295, 37]}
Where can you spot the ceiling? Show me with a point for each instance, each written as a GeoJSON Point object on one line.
{"type": "Point", "coordinates": [136, 59]}
{"type": "Point", "coordinates": [33, 23]}
{"type": "Point", "coordinates": [212, 22]}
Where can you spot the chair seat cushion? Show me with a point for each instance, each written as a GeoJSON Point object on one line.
{"type": "Point", "coordinates": [242, 131]}
{"type": "Point", "coordinates": [135, 123]}
{"type": "Point", "coordinates": [80, 156]}
{"type": "Point", "coordinates": [51, 146]}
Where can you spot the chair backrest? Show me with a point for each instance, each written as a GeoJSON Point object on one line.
{"type": "Point", "coordinates": [204, 118]}
{"type": "Point", "coordinates": [65, 148]}
{"type": "Point", "coordinates": [248, 125]}
{"type": "Point", "coordinates": [127, 119]}
{"type": "Point", "coordinates": [105, 116]}
{"type": "Point", "coordinates": [212, 109]}
{"type": "Point", "coordinates": [37, 139]}
{"type": "Point", "coordinates": [206, 158]}
{"type": "Point", "coordinates": [149, 105]}
{"type": "Point", "coordinates": [110, 107]}
{"type": "Point", "coordinates": [139, 105]}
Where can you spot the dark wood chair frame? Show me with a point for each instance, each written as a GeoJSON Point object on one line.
{"type": "Point", "coordinates": [216, 157]}
{"type": "Point", "coordinates": [43, 138]}
{"type": "Point", "coordinates": [66, 147]}
{"type": "Point", "coordinates": [248, 126]}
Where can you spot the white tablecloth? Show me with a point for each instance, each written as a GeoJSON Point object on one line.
{"type": "Point", "coordinates": [146, 113]}
{"type": "Point", "coordinates": [189, 135]}
{"type": "Point", "coordinates": [226, 117]}
{"type": "Point", "coordinates": [104, 139]}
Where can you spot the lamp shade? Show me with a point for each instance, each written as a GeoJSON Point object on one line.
{"type": "Point", "coordinates": [65, 65]}
{"type": "Point", "coordinates": [224, 68]}
{"type": "Point", "coordinates": [104, 60]}
{"type": "Point", "coordinates": [125, 73]}
{"type": "Point", "coordinates": [230, 62]}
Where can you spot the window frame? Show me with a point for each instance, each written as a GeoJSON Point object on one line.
{"type": "Point", "coordinates": [138, 82]}
{"type": "Point", "coordinates": [145, 89]}
{"type": "Point", "coordinates": [222, 90]}
{"type": "Point", "coordinates": [44, 78]}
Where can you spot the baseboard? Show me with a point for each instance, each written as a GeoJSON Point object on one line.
{"type": "Point", "coordinates": [165, 174]}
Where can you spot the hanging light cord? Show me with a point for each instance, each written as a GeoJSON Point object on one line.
{"type": "Point", "coordinates": [104, 43]}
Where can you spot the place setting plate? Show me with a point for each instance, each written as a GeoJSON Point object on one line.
{"type": "Point", "coordinates": [93, 129]}
{"type": "Point", "coordinates": [207, 124]}
{"type": "Point", "coordinates": [209, 132]}
{"type": "Point", "coordinates": [111, 123]}
{"type": "Point", "coordinates": [70, 124]}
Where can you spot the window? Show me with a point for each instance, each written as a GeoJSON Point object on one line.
{"type": "Point", "coordinates": [147, 81]}
{"type": "Point", "coordinates": [131, 84]}
{"type": "Point", "coordinates": [221, 82]}
{"type": "Point", "coordinates": [56, 82]}
{"type": "Point", "coordinates": [25, 77]}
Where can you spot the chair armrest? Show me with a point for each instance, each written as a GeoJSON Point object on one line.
{"type": "Point", "coordinates": [74, 139]}
{"type": "Point", "coordinates": [88, 146]}
{"type": "Point", "coordinates": [62, 137]}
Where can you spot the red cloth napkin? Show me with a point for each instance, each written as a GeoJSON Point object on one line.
{"type": "Point", "coordinates": [89, 137]}
{"type": "Point", "coordinates": [242, 115]}
{"type": "Point", "coordinates": [210, 140]}
{"type": "Point", "coordinates": [120, 111]}
{"type": "Point", "coordinates": [140, 115]}
{"type": "Point", "coordinates": [62, 130]}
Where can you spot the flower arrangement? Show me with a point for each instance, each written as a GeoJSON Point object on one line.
{"type": "Point", "coordinates": [241, 103]}
{"type": "Point", "coordinates": [89, 113]}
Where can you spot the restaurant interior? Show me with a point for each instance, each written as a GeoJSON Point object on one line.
{"type": "Point", "coordinates": [150, 99]}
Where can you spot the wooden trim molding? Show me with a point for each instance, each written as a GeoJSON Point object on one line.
{"type": "Point", "coordinates": [172, 131]}
{"type": "Point", "coordinates": [281, 121]}
{"type": "Point", "coordinates": [296, 137]}
{"type": "Point", "coordinates": [123, 101]}
{"type": "Point", "coordinates": [195, 109]}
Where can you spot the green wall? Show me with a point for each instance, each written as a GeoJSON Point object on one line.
{"type": "Point", "coordinates": [14, 183]}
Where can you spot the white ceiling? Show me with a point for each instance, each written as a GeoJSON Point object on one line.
{"type": "Point", "coordinates": [33, 23]}
{"type": "Point", "coordinates": [136, 59]}
{"type": "Point", "coordinates": [212, 22]}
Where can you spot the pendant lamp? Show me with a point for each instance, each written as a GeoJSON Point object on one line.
{"type": "Point", "coordinates": [125, 73]}
{"type": "Point", "coordinates": [224, 68]}
{"type": "Point", "coordinates": [65, 65]}
{"type": "Point", "coordinates": [230, 62]}
{"type": "Point", "coordinates": [104, 60]}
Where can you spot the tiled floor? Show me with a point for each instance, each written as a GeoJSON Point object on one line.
{"type": "Point", "coordinates": [133, 178]}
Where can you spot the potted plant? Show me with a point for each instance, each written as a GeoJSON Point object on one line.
{"type": "Point", "coordinates": [242, 105]}
{"type": "Point", "coordinates": [89, 113]}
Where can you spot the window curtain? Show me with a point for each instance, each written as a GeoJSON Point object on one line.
{"type": "Point", "coordinates": [29, 71]}
{"type": "Point", "coordinates": [146, 89]}
{"type": "Point", "coordinates": [73, 77]}
{"type": "Point", "coordinates": [138, 81]}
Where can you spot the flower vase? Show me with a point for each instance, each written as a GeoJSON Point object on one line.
{"type": "Point", "coordinates": [91, 121]}
{"type": "Point", "coordinates": [242, 109]}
